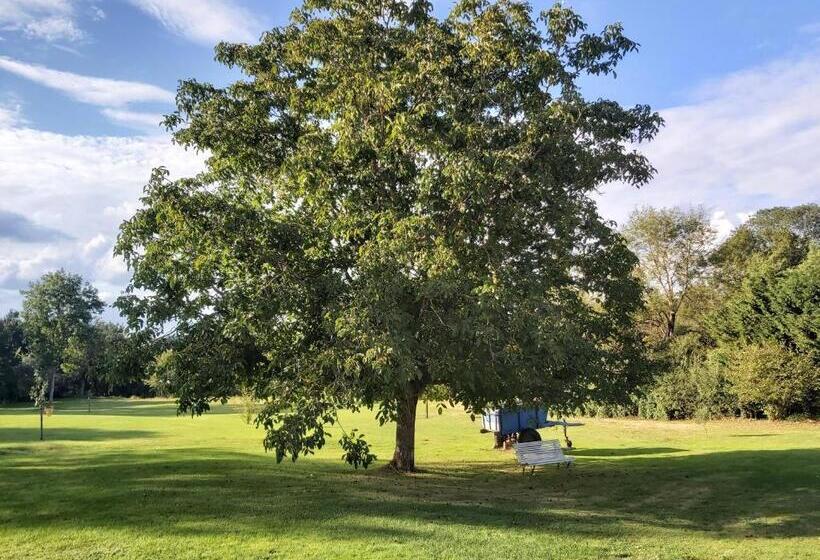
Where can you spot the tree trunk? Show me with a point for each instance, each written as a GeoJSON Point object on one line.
{"type": "Point", "coordinates": [670, 325]}
{"type": "Point", "coordinates": [404, 457]}
{"type": "Point", "coordinates": [51, 387]}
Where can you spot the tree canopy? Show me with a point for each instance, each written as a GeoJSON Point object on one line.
{"type": "Point", "coordinates": [57, 314]}
{"type": "Point", "coordinates": [779, 235]}
{"type": "Point", "coordinates": [391, 201]}
{"type": "Point", "coordinates": [108, 358]}
{"type": "Point", "coordinates": [673, 246]}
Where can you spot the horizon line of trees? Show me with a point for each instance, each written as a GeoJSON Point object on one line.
{"type": "Point", "coordinates": [729, 328]}
{"type": "Point", "coordinates": [58, 346]}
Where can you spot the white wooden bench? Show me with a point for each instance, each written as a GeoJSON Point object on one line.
{"type": "Point", "coordinates": [548, 452]}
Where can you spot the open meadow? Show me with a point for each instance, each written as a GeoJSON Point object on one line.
{"type": "Point", "coordinates": [133, 480]}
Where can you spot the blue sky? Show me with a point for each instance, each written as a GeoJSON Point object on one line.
{"type": "Point", "coordinates": [83, 84]}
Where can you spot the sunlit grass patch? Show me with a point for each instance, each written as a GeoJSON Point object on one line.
{"type": "Point", "coordinates": [134, 480]}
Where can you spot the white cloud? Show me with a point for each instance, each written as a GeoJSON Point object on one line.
{"type": "Point", "coordinates": [95, 91]}
{"type": "Point", "coordinates": [812, 28]}
{"type": "Point", "coordinates": [97, 14]}
{"type": "Point", "coordinates": [134, 119]}
{"type": "Point", "coordinates": [16, 10]}
{"type": "Point", "coordinates": [203, 21]}
{"type": "Point", "coordinates": [114, 96]}
{"type": "Point", "coordinates": [10, 115]}
{"type": "Point", "coordinates": [50, 20]}
{"type": "Point", "coordinates": [743, 217]}
{"type": "Point", "coordinates": [17, 271]}
{"type": "Point", "coordinates": [121, 211]}
{"type": "Point", "coordinates": [722, 225]}
{"type": "Point", "coordinates": [83, 186]}
{"type": "Point", "coordinates": [746, 142]}
{"type": "Point", "coordinates": [94, 244]}
{"type": "Point", "coordinates": [111, 269]}
{"type": "Point", "coordinates": [54, 29]}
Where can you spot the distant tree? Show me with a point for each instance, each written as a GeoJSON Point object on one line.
{"type": "Point", "coordinates": [15, 376]}
{"type": "Point", "coordinates": [672, 246]}
{"type": "Point", "coordinates": [777, 382]}
{"type": "Point", "coordinates": [162, 378]}
{"type": "Point", "coordinates": [802, 220]}
{"type": "Point", "coordinates": [394, 201]}
{"type": "Point", "coordinates": [768, 327]}
{"type": "Point", "coordinates": [439, 394]}
{"type": "Point", "coordinates": [774, 305]}
{"type": "Point", "coordinates": [108, 358]}
{"type": "Point", "coordinates": [747, 337]}
{"type": "Point", "coordinates": [780, 235]}
{"type": "Point", "coordinates": [57, 314]}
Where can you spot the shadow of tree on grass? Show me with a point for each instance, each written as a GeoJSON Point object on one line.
{"type": "Point", "coordinates": [199, 491]}
{"type": "Point", "coordinates": [32, 434]}
{"type": "Point", "coordinates": [623, 451]}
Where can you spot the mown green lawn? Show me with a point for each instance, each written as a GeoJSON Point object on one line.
{"type": "Point", "coordinates": [133, 480]}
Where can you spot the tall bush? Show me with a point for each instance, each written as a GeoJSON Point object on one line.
{"type": "Point", "coordinates": [767, 378]}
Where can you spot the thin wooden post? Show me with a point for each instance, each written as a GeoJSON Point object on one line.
{"type": "Point", "coordinates": [41, 422]}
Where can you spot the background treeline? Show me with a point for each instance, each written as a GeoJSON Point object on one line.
{"type": "Point", "coordinates": [731, 328]}
{"type": "Point", "coordinates": [58, 347]}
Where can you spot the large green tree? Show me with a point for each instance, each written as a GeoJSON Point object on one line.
{"type": "Point", "coordinates": [673, 246]}
{"type": "Point", "coordinates": [392, 201]}
{"type": "Point", "coordinates": [57, 314]}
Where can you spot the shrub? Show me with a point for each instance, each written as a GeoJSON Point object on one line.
{"type": "Point", "coordinates": [716, 396]}
{"type": "Point", "coordinates": [608, 410]}
{"type": "Point", "coordinates": [250, 405]}
{"type": "Point", "coordinates": [673, 396]}
{"type": "Point", "coordinates": [766, 377]}
{"type": "Point", "coordinates": [161, 374]}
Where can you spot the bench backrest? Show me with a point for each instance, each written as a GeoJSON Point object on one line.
{"type": "Point", "coordinates": [531, 449]}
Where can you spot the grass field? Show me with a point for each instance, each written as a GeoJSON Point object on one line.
{"type": "Point", "coordinates": [133, 480]}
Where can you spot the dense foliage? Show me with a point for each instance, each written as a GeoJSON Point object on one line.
{"type": "Point", "coordinates": [16, 377]}
{"type": "Point", "coordinates": [394, 201]}
{"type": "Point", "coordinates": [769, 378]}
{"type": "Point", "coordinates": [57, 347]}
{"type": "Point", "coordinates": [748, 341]}
{"type": "Point", "coordinates": [57, 314]}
